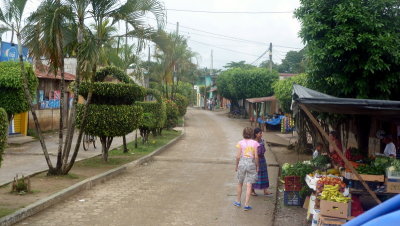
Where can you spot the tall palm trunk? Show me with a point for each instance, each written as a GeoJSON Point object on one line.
{"type": "Point", "coordinates": [62, 103]}
{"type": "Point", "coordinates": [28, 96]}
{"type": "Point", "coordinates": [72, 122]}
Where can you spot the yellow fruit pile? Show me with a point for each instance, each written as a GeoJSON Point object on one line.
{"type": "Point", "coordinates": [331, 193]}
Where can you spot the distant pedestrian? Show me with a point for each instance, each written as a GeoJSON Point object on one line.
{"type": "Point", "coordinates": [246, 166]}
{"type": "Point", "coordinates": [262, 182]}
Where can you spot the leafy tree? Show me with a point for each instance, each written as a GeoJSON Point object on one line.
{"type": "Point", "coordinates": [3, 132]}
{"type": "Point", "coordinates": [239, 64]}
{"type": "Point", "coordinates": [294, 62]}
{"type": "Point", "coordinates": [240, 83]}
{"type": "Point", "coordinates": [112, 111]}
{"type": "Point", "coordinates": [11, 12]}
{"type": "Point", "coordinates": [283, 89]}
{"type": "Point", "coordinates": [12, 98]}
{"type": "Point", "coordinates": [182, 102]}
{"type": "Point", "coordinates": [353, 46]}
{"type": "Point", "coordinates": [265, 64]}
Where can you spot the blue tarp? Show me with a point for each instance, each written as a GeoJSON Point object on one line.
{"type": "Point", "coordinates": [273, 122]}
{"type": "Point", "coordinates": [386, 213]}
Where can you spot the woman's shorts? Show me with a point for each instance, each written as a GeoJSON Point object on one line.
{"type": "Point", "coordinates": [247, 172]}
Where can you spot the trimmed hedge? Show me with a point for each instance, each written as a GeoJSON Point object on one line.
{"type": "Point", "coordinates": [157, 110]}
{"type": "Point", "coordinates": [3, 132]}
{"type": "Point", "coordinates": [182, 102]}
{"type": "Point", "coordinates": [113, 93]}
{"type": "Point", "coordinates": [112, 72]}
{"type": "Point", "coordinates": [110, 120]}
{"type": "Point", "coordinates": [12, 97]}
{"type": "Point", "coordinates": [172, 114]}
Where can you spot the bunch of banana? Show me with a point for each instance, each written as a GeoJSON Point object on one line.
{"type": "Point", "coordinates": [331, 193]}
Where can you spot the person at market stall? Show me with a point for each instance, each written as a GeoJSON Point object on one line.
{"type": "Point", "coordinates": [390, 148]}
{"type": "Point", "coordinates": [262, 181]}
{"type": "Point", "coordinates": [246, 166]}
{"type": "Point", "coordinates": [318, 150]}
{"type": "Point", "coordinates": [335, 158]}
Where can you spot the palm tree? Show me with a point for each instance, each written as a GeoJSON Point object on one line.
{"type": "Point", "coordinates": [87, 46]}
{"type": "Point", "coordinates": [11, 13]}
{"type": "Point", "coordinates": [46, 31]}
{"type": "Point", "coordinates": [176, 57]}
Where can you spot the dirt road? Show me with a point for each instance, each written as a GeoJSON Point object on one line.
{"type": "Point", "coordinates": [191, 183]}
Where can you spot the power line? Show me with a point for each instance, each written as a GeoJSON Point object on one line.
{"type": "Point", "coordinates": [231, 50]}
{"type": "Point", "coordinates": [266, 51]}
{"type": "Point", "coordinates": [230, 12]}
{"type": "Point", "coordinates": [230, 37]}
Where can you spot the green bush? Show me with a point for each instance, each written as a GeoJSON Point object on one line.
{"type": "Point", "coordinates": [110, 120]}
{"type": "Point", "coordinates": [172, 114]}
{"type": "Point", "coordinates": [113, 93]}
{"type": "Point", "coordinates": [182, 102]}
{"type": "Point", "coordinates": [3, 132]}
{"type": "Point", "coordinates": [113, 72]}
{"type": "Point", "coordinates": [12, 97]}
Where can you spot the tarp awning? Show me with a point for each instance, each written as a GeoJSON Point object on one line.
{"type": "Point", "coordinates": [321, 102]}
{"type": "Point", "coordinates": [261, 99]}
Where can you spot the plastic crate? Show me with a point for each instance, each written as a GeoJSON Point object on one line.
{"type": "Point", "coordinates": [293, 183]}
{"type": "Point", "coordinates": [292, 198]}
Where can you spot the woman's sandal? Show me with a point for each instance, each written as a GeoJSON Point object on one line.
{"type": "Point", "coordinates": [254, 194]}
{"type": "Point", "coordinates": [268, 193]}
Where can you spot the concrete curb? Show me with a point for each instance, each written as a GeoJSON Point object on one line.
{"type": "Point", "coordinates": [87, 184]}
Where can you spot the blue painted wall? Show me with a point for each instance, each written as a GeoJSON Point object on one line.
{"type": "Point", "coordinates": [9, 52]}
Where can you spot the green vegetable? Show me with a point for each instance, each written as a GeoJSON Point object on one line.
{"type": "Point", "coordinates": [320, 161]}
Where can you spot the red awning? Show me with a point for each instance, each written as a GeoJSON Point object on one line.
{"type": "Point", "coordinates": [261, 99]}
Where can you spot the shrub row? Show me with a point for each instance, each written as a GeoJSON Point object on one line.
{"type": "Point", "coordinates": [113, 93]}
{"type": "Point", "coordinates": [12, 97]}
{"type": "Point", "coordinates": [3, 132]}
{"type": "Point", "coordinates": [110, 120]}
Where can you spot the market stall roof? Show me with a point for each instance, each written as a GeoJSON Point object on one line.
{"type": "Point", "coordinates": [321, 102]}
{"type": "Point", "coordinates": [261, 99]}
{"type": "Point", "coordinates": [45, 73]}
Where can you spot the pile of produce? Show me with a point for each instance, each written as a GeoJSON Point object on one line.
{"type": "Point", "coordinates": [300, 169]}
{"type": "Point", "coordinates": [321, 161]}
{"type": "Point", "coordinates": [377, 166]}
{"type": "Point", "coordinates": [332, 193]}
{"type": "Point", "coordinates": [331, 181]}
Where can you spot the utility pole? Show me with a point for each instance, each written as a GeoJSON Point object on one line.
{"type": "Point", "coordinates": [270, 56]}
{"type": "Point", "coordinates": [212, 63]}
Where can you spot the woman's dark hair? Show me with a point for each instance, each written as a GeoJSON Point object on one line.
{"type": "Point", "coordinates": [334, 134]}
{"type": "Point", "coordinates": [256, 131]}
{"type": "Point", "coordinates": [248, 133]}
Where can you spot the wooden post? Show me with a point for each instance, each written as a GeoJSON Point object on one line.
{"type": "Point", "coordinates": [348, 164]}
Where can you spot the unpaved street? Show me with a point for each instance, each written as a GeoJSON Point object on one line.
{"type": "Point", "coordinates": [191, 183]}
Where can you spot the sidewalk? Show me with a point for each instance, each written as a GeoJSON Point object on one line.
{"type": "Point", "coordinates": [28, 159]}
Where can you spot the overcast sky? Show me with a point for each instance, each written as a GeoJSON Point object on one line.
{"type": "Point", "coordinates": [279, 28]}
{"type": "Point", "coordinates": [231, 36]}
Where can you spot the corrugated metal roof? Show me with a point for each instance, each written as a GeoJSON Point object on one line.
{"type": "Point", "coordinates": [45, 74]}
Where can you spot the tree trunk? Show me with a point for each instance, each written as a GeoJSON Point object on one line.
{"type": "Point", "coordinates": [105, 146]}
{"type": "Point", "coordinates": [72, 116]}
{"type": "Point", "coordinates": [61, 126]}
{"type": "Point", "coordinates": [29, 100]}
{"type": "Point", "coordinates": [136, 142]}
{"type": "Point", "coordinates": [125, 146]}
{"type": "Point", "coordinates": [104, 151]}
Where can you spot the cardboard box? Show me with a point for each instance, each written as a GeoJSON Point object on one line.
{"type": "Point", "coordinates": [334, 209]}
{"type": "Point", "coordinates": [367, 177]}
{"type": "Point", "coordinates": [393, 187]}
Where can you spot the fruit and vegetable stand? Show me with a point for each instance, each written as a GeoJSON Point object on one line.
{"type": "Point", "coordinates": [372, 179]}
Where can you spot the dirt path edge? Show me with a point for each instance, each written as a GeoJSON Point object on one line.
{"type": "Point", "coordinates": [86, 184]}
